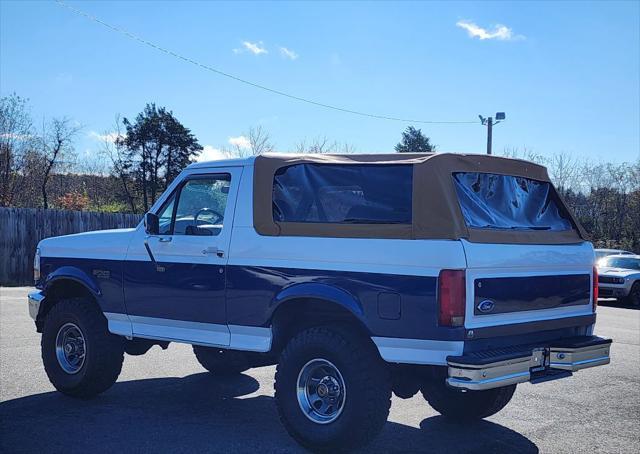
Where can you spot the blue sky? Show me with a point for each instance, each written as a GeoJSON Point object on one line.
{"type": "Point", "coordinates": [566, 73]}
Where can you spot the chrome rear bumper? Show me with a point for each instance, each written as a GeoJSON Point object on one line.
{"type": "Point", "coordinates": [493, 369]}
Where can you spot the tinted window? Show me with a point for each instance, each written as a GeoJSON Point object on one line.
{"type": "Point", "coordinates": [491, 201]}
{"type": "Point", "coordinates": [345, 194]}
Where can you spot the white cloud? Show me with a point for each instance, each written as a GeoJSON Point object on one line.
{"type": "Point", "coordinates": [255, 48]}
{"type": "Point", "coordinates": [288, 53]}
{"type": "Point", "coordinates": [210, 153]}
{"type": "Point", "coordinates": [499, 32]}
{"type": "Point", "coordinates": [110, 137]}
{"type": "Point", "coordinates": [241, 142]}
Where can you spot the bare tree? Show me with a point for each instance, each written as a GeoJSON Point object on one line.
{"type": "Point", "coordinates": [564, 170]}
{"type": "Point", "coordinates": [322, 145]}
{"type": "Point", "coordinates": [113, 147]}
{"type": "Point", "coordinates": [348, 148]}
{"type": "Point", "coordinates": [319, 145]}
{"type": "Point", "coordinates": [16, 144]}
{"type": "Point", "coordinates": [525, 153]}
{"type": "Point", "coordinates": [260, 140]}
{"type": "Point", "coordinates": [257, 141]}
{"type": "Point", "coordinates": [56, 144]}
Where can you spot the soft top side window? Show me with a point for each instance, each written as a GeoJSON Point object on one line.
{"type": "Point", "coordinates": [343, 194]}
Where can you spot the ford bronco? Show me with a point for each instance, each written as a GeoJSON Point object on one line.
{"type": "Point", "coordinates": [457, 276]}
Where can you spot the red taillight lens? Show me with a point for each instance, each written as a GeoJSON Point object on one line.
{"type": "Point", "coordinates": [595, 288]}
{"type": "Point", "coordinates": [451, 298]}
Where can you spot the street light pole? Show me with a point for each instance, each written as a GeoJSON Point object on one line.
{"type": "Point", "coordinates": [500, 116]}
{"type": "Point", "coordinates": [489, 134]}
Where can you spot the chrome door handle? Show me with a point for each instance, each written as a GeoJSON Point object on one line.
{"type": "Point", "coordinates": [165, 239]}
{"type": "Point", "coordinates": [213, 250]}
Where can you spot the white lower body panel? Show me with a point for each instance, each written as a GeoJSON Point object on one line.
{"type": "Point", "coordinates": [236, 337]}
{"type": "Point", "coordinates": [417, 351]}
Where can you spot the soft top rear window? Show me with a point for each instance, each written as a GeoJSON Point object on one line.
{"type": "Point", "coordinates": [492, 201]}
{"type": "Point", "coordinates": [343, 194]}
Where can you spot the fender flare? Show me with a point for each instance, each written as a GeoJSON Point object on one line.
{"type": "Point", "coordinates": [319, 291]}
{"type": "Point", "coordinates": [74, 274]}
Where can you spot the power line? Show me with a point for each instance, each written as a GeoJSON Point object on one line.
{"type": "Point", "coordinates": [134, 37]}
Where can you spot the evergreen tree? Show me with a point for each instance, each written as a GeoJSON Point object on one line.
{"type": "Point", "coordinates": [158, 147]}
{"type": "Point", "coordinates": [413, 141]}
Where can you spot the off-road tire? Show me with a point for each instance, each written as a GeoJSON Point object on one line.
{"type": "Point", "coordinates": [469, 405]}
{"type": "Point", "coordinates": [104, 351]}
{"type": "Point", "coordinates": [222, 362]}
{"type": "Point", "coordinates": [634, 295]}
{"type": "Point", "coordinates": [366, 378]}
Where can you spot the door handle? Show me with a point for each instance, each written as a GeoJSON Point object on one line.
{"type": "Point", "coordinates": [213, 250]}
{"type": "Point", "coordinates": [165, 239]}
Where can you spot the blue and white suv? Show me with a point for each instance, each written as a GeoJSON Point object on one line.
{"type": "Point", "coordinates": [460, 276]}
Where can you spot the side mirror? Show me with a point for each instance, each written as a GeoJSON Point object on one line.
{"type": "Point", "coordinates": [151, 224]}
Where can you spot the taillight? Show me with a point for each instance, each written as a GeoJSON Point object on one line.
{"type": "Point", "coordinates": [595, 288]}
{"type": "Point", "coordinates": [451, 298]}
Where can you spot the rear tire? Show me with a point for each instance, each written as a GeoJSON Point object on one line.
{"type": "Point", "coordinates": [354, 403]}
{"type": "Point", "coordinates": [222, 362]}
{"type": "Point", "coordinates": [81, 357]}
{"type": "Point", "coordinates": [469, 405]}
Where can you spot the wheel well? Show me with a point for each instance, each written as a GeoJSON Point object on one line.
{"type": "Point", "coordinates": [61, 289]}
{"type": "Point", "coordinates": [298, 314]}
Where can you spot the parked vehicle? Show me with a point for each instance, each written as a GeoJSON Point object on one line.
{"type": "Point", "coordinates": [602, 253]}
{"type": "Point", "coordinates": [619, 277]}
{"type": "Point", "coordinates": [459, 276]}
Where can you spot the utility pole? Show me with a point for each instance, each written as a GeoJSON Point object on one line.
{"type": "Point", "coordinates": [489, 134]}
{"type": "Point", "coordinates": [488, 122]}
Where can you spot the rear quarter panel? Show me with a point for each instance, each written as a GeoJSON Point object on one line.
{"type": "Point", "coordinates": [261, 268]}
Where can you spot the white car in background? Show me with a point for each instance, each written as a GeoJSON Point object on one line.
{"type": "Point", "coordinates": [619, 277]}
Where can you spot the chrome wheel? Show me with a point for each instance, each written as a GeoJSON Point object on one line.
{"type": "Point", "coordinates": [321, 391]}
{"type": "Point", "coordinates": [70, 348]}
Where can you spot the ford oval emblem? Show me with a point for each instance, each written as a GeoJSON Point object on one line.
{"type": "Point", "coordinates": [486, 306]}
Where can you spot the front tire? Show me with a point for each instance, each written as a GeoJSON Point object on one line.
{"type": "Point", "coordinates": [80, 356]}
{"type": "Point", "coordinates": [469, 405]}
{"type": "Point", "coordinates": [634, 295]}
{"type": "Point", "coordinates": [332, 389]}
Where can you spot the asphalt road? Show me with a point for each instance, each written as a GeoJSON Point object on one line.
{"type": "Point", "coordinates": [165, 402]}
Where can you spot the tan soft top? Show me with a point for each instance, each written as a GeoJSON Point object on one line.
{"type": "Point", "coordinates": [436, 210]}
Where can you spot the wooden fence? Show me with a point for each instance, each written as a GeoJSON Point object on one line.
{"type": "Point", "coordinates": [22, 228]}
